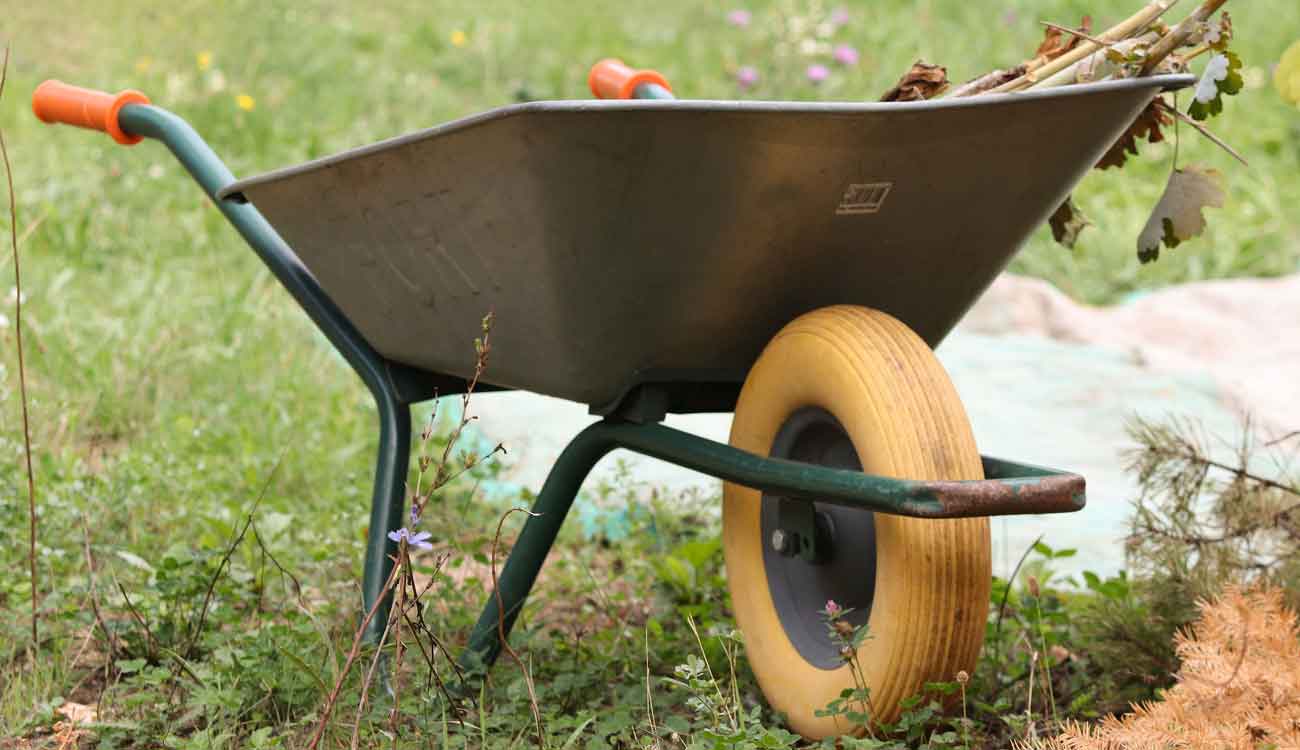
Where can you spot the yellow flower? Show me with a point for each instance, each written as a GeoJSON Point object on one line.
{"type": "Point", "coordinates": [143, 64]}
{"type": "Point", "coordinates": [459, 38]}
{"type": "Point", "coordinates": [204, 60]}
{"type": "Point", "coordinates": [245, 102]}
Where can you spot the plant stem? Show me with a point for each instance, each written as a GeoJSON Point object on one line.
{"type": "Point", "coordinates": [22, 370]}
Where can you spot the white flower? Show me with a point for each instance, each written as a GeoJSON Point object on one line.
{"type": "Point", "coordinates": [1208, 87]}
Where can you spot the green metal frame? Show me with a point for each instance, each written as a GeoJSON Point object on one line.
{"type": "Point", "coordinates": [1010, 488]}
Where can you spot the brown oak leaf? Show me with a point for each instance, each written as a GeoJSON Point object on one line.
{"type": "Point", "coordinates": [1067, 222]}
{"type": "Point", "coordinates": [1056, 43]}
{"type": "Point", "coordinates": [923, 81]}
{"type": "Point", "coordinates": [1147, 125]}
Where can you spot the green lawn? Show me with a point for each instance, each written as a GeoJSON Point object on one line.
{"type": "Point", "coordinates": [169, 376]}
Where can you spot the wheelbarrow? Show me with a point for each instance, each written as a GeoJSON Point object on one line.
{"type": "Point", "coordinates": [793, 262]}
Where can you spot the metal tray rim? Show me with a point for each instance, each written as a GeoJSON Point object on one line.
{"type": "Point", "coordinates": [235, 190]}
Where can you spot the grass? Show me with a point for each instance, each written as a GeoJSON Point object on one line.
{"type": "Point", "coordinates": [170, 375]}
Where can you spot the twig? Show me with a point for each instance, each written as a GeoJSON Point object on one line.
{"type": "Point", "coordinates": [501, 626]}
{"type": "Point", "coordinates": [1179, 35]}
{"type": "Point", "coordinates": [1122, 30]}
{"type": "Point", "coordinates": [22, 370]}
{"type": "Point", "coordinates": [1202, 130]}
{"type": "Point", "coordinates": [31, 227]}
{"type": "Point", "coordinates": [197, 629]}
{"type": "Point", "coordinates": [150, 642]}
{"type": "Point", "coordinates": [297, 587]}
{"type": "Point", "coordinates": [1082, 35]}
{"type": "Point", "coordinates": [987, 81]}
{"type": "Point", "coordinates": [1283, 439]}
{"type": "Point", "coordinates": [357, 640]}
{"type": "Point", "coordinates": [374, 665]}
{"type": "Point", "coordinates": [94, 593]}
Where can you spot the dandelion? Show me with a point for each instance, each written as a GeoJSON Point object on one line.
{"type": "Point", "coordinates": [739, 18]}
{"type": "Point", "coordinates": [203, 60]}
{"type": "Point", "coordinates": [845, 55]}
{"type": "Point", "coordinates": [817, 73]}
{"type": "Point", "coordinates": [245, 102]}
{"type": "Point", "coordinates": [419, 540]}
{"type": "Point", "coordinates": [746, 76]}
{"type": "Point", "coordinates": [459, 38]}
{"type": "Point", "coordinates": [143, 64]}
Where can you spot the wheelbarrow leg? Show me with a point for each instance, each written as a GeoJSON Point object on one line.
{"type": "Point", "coordinates": [535, 541]}
{"type": "Point", "coordinates": [386, 507]}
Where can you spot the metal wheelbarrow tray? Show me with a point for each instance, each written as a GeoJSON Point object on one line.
{"type": "Point", "coordinates": [629, 242]}
{"type": "Point", "coordinates": [638, 257]}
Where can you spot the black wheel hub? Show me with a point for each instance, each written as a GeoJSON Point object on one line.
{"type": "Point", "coordinates": [813, 552]}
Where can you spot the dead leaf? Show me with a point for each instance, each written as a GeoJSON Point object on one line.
{"type": "Point", "coordinates": [1067, 222]}
{"type": "Point", "coordinates": [1147, 125]}
{"type": "Point", "coordinates": [1177, 217]}
{"type": "Point", "coordinates": [77, 713]}
{"type": "Point", "coordinates": [923, 81]}
{"type": "Point", "coordinates": [1056, 43]}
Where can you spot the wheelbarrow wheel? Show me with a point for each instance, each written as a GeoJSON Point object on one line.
{"type": "Point", "coordinates": [854, 388]}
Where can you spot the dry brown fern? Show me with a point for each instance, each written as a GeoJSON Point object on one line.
{"type": "Point", "coordinates": [1239, 685]}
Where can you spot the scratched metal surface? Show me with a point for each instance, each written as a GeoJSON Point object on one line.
{"type": "Point", "coordinates": [622, 242]}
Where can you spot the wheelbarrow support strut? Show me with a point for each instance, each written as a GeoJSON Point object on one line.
{"type": "Point", "coordinates": [393, 386]}
{"type": "Point", "coordinates": [1009, 488]}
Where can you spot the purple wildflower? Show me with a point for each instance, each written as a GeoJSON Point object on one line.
{"type": "Point", "coordinates": [832, 609]}
{"type": "Point", "coordinates": [419, 540]}
{"type": "Point", "coordinates": [839, 16]}
{"type": "Point", "coordinates": [739, 18]}
{"type": "Point", "coordinates": [415, 514]}
{"type": "Point", "coordinates": [817, 73]}
{"type": "Point", "coordinates": [746, 76]}
{"type": "Point", "coordinates": [845, 55]}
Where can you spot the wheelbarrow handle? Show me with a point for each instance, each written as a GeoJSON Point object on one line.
{"type": "Point", "coordinates": [611, 78]}
{"type": "Point", "coordinates": [58, 102]}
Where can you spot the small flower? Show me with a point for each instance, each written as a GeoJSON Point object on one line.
{"type": "Point", "coordinates": [419, 541]}
{"type": "Point", "coordinates": [840, 16]}
{"type": "Point", "coordinates": [1208, 87]}
{"type": "Point", "coordinates": [1032, 584]}
{"type": "Point", "coordinates": [845, 55]}
{"type": "Point", "coordinates": [817, 73]}
{"type": "Point", "coordinates": [203, 60]}
{"type": "Point", "coordinates": [746, 76]}
{"type": "Point", "coordinates": [739, 18]}
{"type": "Point", "coordinates": [963, 677]}
{"type": "Point", "coordinates": [143, 64]}
{"type": "Point", "coordinates": [459, 38]}
{"type": "Point", "coordinates": [832, 609]}
{"type": "Point", "coordinates": [415, 514]}
{"type": "Point", "coordinates": [844, 628]}
{"type": "Point", "coordinates": [245, 102]}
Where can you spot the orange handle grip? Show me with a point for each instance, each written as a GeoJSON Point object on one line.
{"type": "Point", "coordinates": [611, 79]}
{"type": "Point", "coordinates": [55, 101]}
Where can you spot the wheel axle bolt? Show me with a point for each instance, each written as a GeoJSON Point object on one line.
{"type": "Point", "coordinates": [780, 541]}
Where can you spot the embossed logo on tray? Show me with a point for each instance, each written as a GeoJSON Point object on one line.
{"type": "Point", "coordinates": [863, 198]}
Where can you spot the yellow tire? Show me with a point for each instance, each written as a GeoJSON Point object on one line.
{"type": "Point", "coordinates": [864, 376]}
